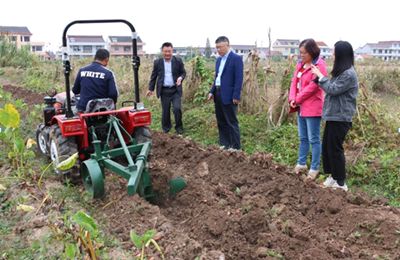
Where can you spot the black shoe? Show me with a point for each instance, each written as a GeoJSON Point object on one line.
{"type": "Point", "coordinates": [179, 131]}
{"type": "Point", "coordinates": [166, 131]}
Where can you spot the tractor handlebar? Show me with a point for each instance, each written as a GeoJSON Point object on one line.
{"type": "Point", "coordinates": [67, 65]}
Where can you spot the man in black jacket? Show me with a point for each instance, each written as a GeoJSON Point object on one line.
{"type": "Point", "coordinates": [168, 74]}
{"type": "Point", "coordinates": [95, 81]}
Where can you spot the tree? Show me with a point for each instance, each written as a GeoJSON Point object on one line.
{"type": "Point", "coordinates": [208, 50]}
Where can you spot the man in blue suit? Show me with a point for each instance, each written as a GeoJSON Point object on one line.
{"type": "Point", "coordinates": [226, 93]}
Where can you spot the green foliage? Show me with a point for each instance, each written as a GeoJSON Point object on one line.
{"type": "Point", "coordinates": [143, 241]}
{"type": "Point", "coordinates": [70, 251]}
{"type": "Point", "coordinates": [9, 116]}
{"type": "Point", "coordinates": [140, 241]}
{"type": "Point", "coordinates": [208, 50]}
{"type": "Point", "coordinates": [206, 79]}
{"type": "Point", "coordinates": [85, 222]}
{"type": "Point", "coordinates": [13, 141]}
{"type": "Point", "coordinates": [10, 55]}
{"type": "Point", "coordinates": [45, 77]}
{"type": "Point", "coordinates": [382, 79]}
{"type": "Point", "coordinates": [200, 123]}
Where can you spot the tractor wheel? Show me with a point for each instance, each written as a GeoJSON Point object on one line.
{"type": "Point", "coordinates": [93, 178]}
{"type": "Point", "coordinates": [142, 134]}
{"type": "Point", "coordinates": [41, 140]}
{"type": "Point", "coordinates": [61, 148]}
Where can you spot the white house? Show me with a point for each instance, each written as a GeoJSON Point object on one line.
{"type": "Point", "coordinates": [286, 47]}
{"type": "Point", "coordinates": [385, 50]}
{"type": "Point", "coordinates": [122, 46]}
{"type": "Point", "coordinates": [326, 51]}
{"type": "Point", "coordinates": [84, 45]}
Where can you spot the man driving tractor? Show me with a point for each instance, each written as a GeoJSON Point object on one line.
{"type": "Point", "coordinates": [95, 81]}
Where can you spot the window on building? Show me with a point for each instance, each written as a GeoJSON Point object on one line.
{"type": "Point", "coordinates": [76, 48]}
{"type": "Point", "coordinates": [26, 39]}
{"type": "Point", "coordinates": [87, 49]}
{"type": "Point", "coordinates": [13, 38]}
{"type": "Point", "coordinates": [127, 48]}
{"type": "Point", "coordinates": [292, 50]}
{"type": "Point", "coordinates": [98, 47]}
{"type": "Point", "coordinates": [37, 48]}
{"type": "Point", "coordinates": [116, 48]}
{"type": "Point", "coordinates": [380, 51]}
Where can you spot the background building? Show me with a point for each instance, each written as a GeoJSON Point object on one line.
{"type": "Point", "coordinates": [384, 50]}
{"type": "Point", "coordinates": [122, 46]}
{"type": "Point", "coordinates": [84, 45]}
{"type": "Point", "coordinates": [20, 35]}
{"type": "Point", "coordinates": [286, 47]}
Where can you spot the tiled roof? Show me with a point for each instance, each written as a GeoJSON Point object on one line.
{"type": "Point", "coordinates": [21, 30]}
{"type": "Point", "coordinates": [322, 44]}
{"type": "Point", "coordinates": [386, 44]}
{"type": "Point", "coordinates": [288, 41]}
{"type": "Point", "coordinates": [85, 38]}
{"type": "Point", "coordinates": [122, 39]}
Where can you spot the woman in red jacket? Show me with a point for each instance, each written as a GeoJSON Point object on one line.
{"type": "Point", "coordinates": [307, 98]}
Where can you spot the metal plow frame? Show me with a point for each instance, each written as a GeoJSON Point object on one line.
{"type": "Point", "coordinates": [136, 172]}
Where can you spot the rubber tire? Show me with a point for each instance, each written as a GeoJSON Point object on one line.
{"type": "Point", "coordinates": [61, 146]}
{"type": "Point", "coordinates": [142, 134]}
{"type": "Point", "coordinates": [39, 135]}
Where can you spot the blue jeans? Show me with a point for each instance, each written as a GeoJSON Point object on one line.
{"type": "Point", "coordinates": [309, 134]}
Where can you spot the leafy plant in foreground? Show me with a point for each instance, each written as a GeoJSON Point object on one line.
{"type": "Point", "coordinates": [143, 241]}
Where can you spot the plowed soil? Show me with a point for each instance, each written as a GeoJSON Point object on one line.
{"type": "Point", "coordinates": [237, 206]}
{"type": "Point", "coordinates": [29, 97]}
{"type": "Point", "coordinates": [242, 207]}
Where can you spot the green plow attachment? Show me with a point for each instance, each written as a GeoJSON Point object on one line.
{"type": "Point", "coordinates": [136, 171]}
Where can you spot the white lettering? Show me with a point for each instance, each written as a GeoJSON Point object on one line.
{"type": "Point", "coordinates": [93, 74]}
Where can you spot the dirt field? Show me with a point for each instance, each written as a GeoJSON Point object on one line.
{"type": "Point", "coordinates": [243, 207]}
{"type": "Point", "coordinates": [246, 207]}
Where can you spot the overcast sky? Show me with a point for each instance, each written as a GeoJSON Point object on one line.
{"type": "Point", "coordinates": [189, 23]}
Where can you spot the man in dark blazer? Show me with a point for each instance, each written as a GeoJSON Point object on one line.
{"type": "Point", "coordinates": [226, 92]}
{"type": "Point", "coordinates": [168, 74]}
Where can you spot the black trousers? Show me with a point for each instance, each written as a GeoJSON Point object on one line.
{"type": "Point", "coordinates": [228, 124]}
{"type": "Point", "coordinates": [171, 96]}
{"type": "Point", "coordinates": [333, 159]}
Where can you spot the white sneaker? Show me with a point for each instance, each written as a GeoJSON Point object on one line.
{"type": "Point", "coordinates": [335, 186]}
{"type": "Point", "coordinates": [312, 174]}
{"type": "Point", "coordinates": [300, 168]}
{"type": "Point", "coordinates": [328, 182]}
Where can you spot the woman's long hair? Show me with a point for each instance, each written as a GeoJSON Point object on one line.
{"type": "Point", "coordinates": [344, 58]}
